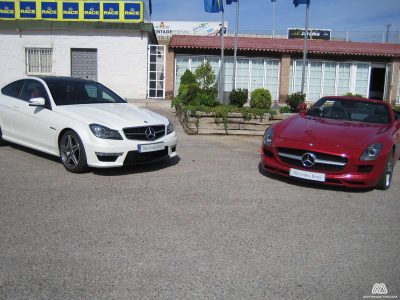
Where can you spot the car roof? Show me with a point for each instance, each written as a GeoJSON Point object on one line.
{"type": "Point", "coordinates": [349, 98]}
{"type": "Point", "coordinates": [53, 79]}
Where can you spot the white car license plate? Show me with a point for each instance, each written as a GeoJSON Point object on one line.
{"type": "Point", "coordinates": [151, 147]}
{"type": "Point", "coordinates": [307, 175]}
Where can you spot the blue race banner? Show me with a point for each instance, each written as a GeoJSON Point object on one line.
{"type": "Point", "coordinates": [298, 2]}
{"type": "Point", "coordinates": [111, 11]}
{"type": "Point", "coordinates": [91, 11]}
{"type": "Point", "coordinates": [213, 6]}
{"type": "Point", "coordinates": [49, 10]}
{"type": "Point", "coordinates": [7, 10]}
{"type": "Point", "coordinates": [70, 10]}
{"type": "Point", "coordinates": [27, 10]}
{"type": "Point", "coordinates": [132, 11]}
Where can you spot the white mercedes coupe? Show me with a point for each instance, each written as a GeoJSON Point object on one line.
{"type": "Point", "coordinates": [82, 122]}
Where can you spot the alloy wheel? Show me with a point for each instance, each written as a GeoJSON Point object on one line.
{"type": "Point", "coordinates": [70, 151]}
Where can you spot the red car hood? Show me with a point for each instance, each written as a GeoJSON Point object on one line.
{"type": "Point", "coordinates": [330, 132]}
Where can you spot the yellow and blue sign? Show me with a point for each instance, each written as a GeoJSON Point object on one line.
{"type": "Point", "coordinates": [91, 11]}
{"type": "Point", "coordinates": [73, 10]}
{"type": "Point", "coordinates": [7, 10]}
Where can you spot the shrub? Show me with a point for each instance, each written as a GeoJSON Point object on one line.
{"type": "Point", "coordinates": [261, 98]}
{"type": "Point", "coordinates": [238, 97]}
{"type": "Point", "coordinates": [294, 100]}
{"type": "Point", "coordinates": [284, 109]}
{"type": "Point", "coordinates": [204, 76]}
{"type": "Point", "coordinates": [188, 78]}
{"type": "Point", "coordinates": [354, 95]}
{"type": "Point", "coordinates": [187, 92]}
{"type": "Point", "coordinates": [205, 98]}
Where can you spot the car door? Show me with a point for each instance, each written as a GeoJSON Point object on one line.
{"type": "Point", "coordinates": [34, 124]}
{"type": "Point", "coordinates": [8, 102]}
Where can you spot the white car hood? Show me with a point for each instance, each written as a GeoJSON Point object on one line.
{"type": "Point", "coordinates": [113, 115]}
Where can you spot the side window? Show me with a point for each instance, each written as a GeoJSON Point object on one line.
{"type": "Point", "coordinates": [13, 89]}
{"type": "Point", "coordinates": [33, 89]}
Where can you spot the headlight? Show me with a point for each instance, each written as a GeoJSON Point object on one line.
{"type": "Point", "coordinates": [268, 136]}
{"type": "Point", "coordinates": [104, 132]}
{"type": "Point", "coordinates": [170, 127]}
{"type": "Point", "coordinates": [372, 152]}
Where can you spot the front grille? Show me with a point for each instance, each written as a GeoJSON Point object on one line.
{"type": "Point", "coordinates": [134, 157]}
{"type": "Point", "coordinates": [325, 162]}
{"type": "Point", "coordinates": [139, 133]}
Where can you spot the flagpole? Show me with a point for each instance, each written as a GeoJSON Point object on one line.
{"type": "Point", "coordinates": [303, 74]}
{"type": "Point", "coordinates": [273, 18]}
{"type": "Point", "coordinates": [236, 44]}
{"type": "Point", "coordinates": [222, 70]}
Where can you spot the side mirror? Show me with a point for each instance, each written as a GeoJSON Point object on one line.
{"type": "Point", "coordinates": [302, 108]}
{"type": "Point", "coordinates": [40, 101]}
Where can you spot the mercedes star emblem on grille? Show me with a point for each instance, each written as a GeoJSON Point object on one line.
{"type": "Point", "coordinates": [308, 159]}
{"type": "Point", "coordinates": [150, 133]}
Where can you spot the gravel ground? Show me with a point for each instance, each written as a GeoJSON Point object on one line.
{"type": "Point", "coordinates": [208, 224]}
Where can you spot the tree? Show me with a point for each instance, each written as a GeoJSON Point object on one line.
{"type": "Point", "coordinates": [205, 76]}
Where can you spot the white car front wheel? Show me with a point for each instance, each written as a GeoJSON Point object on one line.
{"type": "Point", "coordinates": [72, 152]}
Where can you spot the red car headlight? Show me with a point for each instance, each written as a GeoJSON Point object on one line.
{"type": "Point", "coordinates": [372, 152]}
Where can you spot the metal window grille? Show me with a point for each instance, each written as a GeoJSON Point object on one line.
{"type": "Point", "coordinates": [39, 61]}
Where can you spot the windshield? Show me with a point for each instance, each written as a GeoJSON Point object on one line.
{"type": "Point", "coordinates": [81, 92]}
{"type": "Point", "coordinates": [350, 110]}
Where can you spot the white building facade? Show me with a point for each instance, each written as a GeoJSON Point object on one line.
{"type": "Point", "coordinates": [114, 54]}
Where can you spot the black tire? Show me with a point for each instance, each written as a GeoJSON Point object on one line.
{"type": "Point", "coordinates": [386, 179]}
{"type": "Point", "coordinates": [72, 152]}
{"type": "Point", "coordinates": [2, 142]}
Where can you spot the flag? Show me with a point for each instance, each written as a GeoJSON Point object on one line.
{"type": "Point", "coordinates": [230, 1]}
{"type": "Point", "coordinates": [297, 2]}
{"type": "Point", "coordinates": [213, 6]}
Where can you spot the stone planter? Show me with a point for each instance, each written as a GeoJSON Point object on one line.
{"type": "Point", "coordinates": [207, 123]}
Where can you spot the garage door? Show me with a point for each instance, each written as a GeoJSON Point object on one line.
{"type": "Point", "coordinates": [84, 63]}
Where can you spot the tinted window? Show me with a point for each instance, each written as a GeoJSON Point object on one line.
{"type": "Point", "coordinates": [13, 89]}
{"type": "Point", "coordinates": [81, 92]}
{"type": "Point", "coordinates": [33, 89]}
{"type": "Point", "coordinates": [351, 110]}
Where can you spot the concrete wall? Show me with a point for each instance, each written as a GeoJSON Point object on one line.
{"type": "Point", "coordinates": [121, 55]}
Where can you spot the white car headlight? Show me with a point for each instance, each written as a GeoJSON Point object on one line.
{"type": "Point", "coordinates": [372, 152]}
{"type": "Point", "coordinates": [268, 136]}
{"type": "Point", "coordinates": [170, 127]}
{"type": "Point", "coordinates": [103, 132]}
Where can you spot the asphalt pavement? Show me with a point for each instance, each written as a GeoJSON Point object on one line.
{"type": "Point", "coordinates": [206, 225]}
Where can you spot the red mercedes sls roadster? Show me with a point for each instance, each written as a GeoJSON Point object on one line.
{"type": "Point", "coordinates": [342, 141]}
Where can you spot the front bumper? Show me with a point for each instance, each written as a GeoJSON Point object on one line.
{"type": "Point", "coordinates": [356, 173]}
{"type": "Point", "coordinates": [116, 153]}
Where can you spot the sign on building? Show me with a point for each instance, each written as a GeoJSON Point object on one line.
{"type": "Point", "coordinates": [75, 10]}
{"type": "Point", "coordinates": [169, 28]}
{"type": "Point", "coordinates": [313, 34]}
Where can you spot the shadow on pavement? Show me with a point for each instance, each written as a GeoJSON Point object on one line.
{"type": "Point", "coordinates": [137, 169]}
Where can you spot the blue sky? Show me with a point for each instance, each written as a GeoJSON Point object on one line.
{"type": "Point", "coordinates": [256, 15]}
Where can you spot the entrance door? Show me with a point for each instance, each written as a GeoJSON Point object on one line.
{"type": "Point", "coordinates": [156, 72]}
{"type": "Point", "coordinates": [84, 63]}
{"type": "Point", "coordinates": [377, 83]}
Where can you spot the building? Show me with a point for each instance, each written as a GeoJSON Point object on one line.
{"type": "Point", "coordinates": [334, 67]}
{"type": "Point", "coordinates": [108, 41]}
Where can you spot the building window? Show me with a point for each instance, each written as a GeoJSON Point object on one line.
{"type": "Point", "coordinates": [250, 73]}
{"type": "Point", "coordinates": [39, 61]}
{"type": "Point", "coordinates": [330, 78]}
